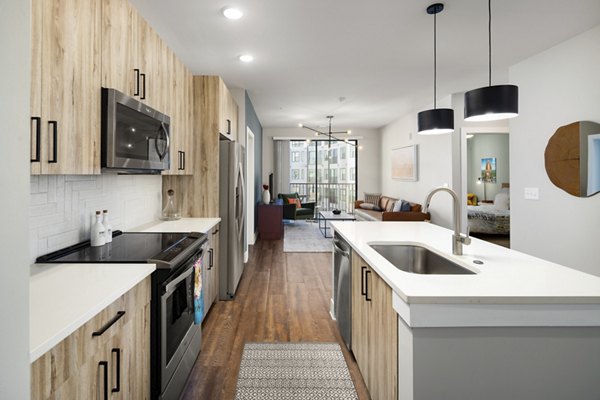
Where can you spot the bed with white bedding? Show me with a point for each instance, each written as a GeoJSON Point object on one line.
{"type": "Point", "coordinates": [488, 219]}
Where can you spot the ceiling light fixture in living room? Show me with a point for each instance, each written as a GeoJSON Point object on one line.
{"type": "Point", "coordinates": [437, 120]}
{"type": "Point", "coordinates": [330, 134]}
{"type": "Point", "coordinates": [491, 103]}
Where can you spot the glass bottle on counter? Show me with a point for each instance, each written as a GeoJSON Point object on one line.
{"type": "Point", "coordinates": [170, 212]}
{"type": "Point", "coordinates": [107, 227]}
{"type": "Point", "coordinates": [97, 232]}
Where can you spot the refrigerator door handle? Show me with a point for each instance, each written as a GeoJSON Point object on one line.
{"type": "Point", "coordinates": [239, 207]}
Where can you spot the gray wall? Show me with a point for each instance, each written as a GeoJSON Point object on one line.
{"type": "Point", "coordinates": [505, 363]}
{"type": "Point", "coordinates": [255, 126]}
{"type": "Point", "coordinates": [15, 18]}
{"type": "Point", "coordinates": [487, 146]}
{"type": "Point", "coordinates": [556, 87]}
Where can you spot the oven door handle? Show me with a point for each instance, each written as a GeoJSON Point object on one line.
{"type": "Point", "coordinates": [170, 288]}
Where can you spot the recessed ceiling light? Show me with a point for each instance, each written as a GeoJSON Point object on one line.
{"type": "Point", "coordinates": [246, 58]}
{"type": "Point", "coordinates": [232, 13]}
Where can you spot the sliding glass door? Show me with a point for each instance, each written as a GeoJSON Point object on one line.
{"type": "Point", "coordinates": [324, 172]}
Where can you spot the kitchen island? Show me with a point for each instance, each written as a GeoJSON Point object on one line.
{"type": "Point", "coordinates": [519, 327]}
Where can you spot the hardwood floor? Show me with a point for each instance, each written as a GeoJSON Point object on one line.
{"type": "Point", "coordinates": [282, 297]}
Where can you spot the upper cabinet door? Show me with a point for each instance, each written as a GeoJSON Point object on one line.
{"type": "Point", "coordinates": [70, 86]}
{"type": "Point", "coordinates": [119, 33]}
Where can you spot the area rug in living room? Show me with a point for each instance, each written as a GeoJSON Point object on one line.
{"type": "Point", "coordinates": [274, 371]}
{"type": "Point", "coordinates": [304, 237]}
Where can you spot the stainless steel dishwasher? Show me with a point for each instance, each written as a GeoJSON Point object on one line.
{"type": "Point", "coordinates": [342, 287]}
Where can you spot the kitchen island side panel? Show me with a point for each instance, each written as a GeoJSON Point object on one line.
{"type": "Point", "coordinates": [498, 363]}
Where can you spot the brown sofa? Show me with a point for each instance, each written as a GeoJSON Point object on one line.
{"type": "Point", "coordinates": [387, 205]}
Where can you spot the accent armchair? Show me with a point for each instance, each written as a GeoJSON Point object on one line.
{"type": "Point", "coordinates": [294, 209]}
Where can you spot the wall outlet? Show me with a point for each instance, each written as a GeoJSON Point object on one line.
{"type": "Point", "coordinates": [532, 194]}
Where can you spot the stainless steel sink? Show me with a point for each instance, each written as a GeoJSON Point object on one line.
{"type": "Point", "coordinates": [418, 260]}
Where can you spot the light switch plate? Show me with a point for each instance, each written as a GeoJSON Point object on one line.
{"type": "Point", "coordinates": [532, 194]}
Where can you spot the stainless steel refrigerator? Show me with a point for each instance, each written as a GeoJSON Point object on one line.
{"type": "Point", "coordinates": [232, 212]}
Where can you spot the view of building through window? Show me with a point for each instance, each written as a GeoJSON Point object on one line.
{"type": "Point", "coordinates": [324, 172]}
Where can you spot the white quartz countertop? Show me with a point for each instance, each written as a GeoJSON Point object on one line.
{"type": "Point", "coordinates": [63, 297]}
{"type": "Point", "coordinates": [506, 276]}
{"type": "Point", "coordinates": [203, 225]}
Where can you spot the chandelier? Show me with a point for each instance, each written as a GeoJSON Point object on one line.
{"type": "Point", "coordinates": [330, 134]}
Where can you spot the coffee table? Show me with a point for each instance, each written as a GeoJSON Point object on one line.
{"type": "Point", "coordinates": [325, 216]}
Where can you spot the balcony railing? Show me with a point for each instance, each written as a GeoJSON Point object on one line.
{"type": "Point", "coordinates": [327, 196]}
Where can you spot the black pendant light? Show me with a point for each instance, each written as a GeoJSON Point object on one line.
{"type": "Point", "coordinates": [437, 120]}
{"type": "Point", "coordinates": [491, 103]}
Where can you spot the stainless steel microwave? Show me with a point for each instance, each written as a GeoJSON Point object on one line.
{"type": "Point", "coordinates": [135, 137]}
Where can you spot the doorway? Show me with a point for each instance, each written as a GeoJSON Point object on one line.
{"type": "Point", "coordinates": [485, 176]}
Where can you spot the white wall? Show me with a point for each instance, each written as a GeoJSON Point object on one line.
{"type": "Point", "coordinates": [556, 87]}
{"type": "Point", "coordinates": [62, 207]}
{"type": "Point", "coordinates": [368, 157]}
{"type": "Point", "coordinates": [434, 166]}
{"type": "Point", "coordinates": [14, 175]}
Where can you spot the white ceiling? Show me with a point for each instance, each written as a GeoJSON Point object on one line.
{"type": "Point", "coordinates": [378, 55]}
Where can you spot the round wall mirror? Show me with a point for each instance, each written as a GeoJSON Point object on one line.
{"type": "Point", "coordinates": [572, 158]}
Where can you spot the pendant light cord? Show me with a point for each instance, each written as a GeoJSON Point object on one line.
{"type": "Point", "coordinates": [434, 61]}
{"type": "Point", "coordinates": [490, 42]}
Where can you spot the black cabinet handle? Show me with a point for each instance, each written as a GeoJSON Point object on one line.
{"type": "Point", "coordinates": [104, 364]}
{"type": "Point", "coordinates": [137, 82]}
{"type": "Point", "coordinates": [229, 127]}
{"type": "Point", "coordinates": [183, 153]}
{"type": "Point", "coordinates": [38, 122]}
{"type": "Point", "coordinates": [117, 388]}
{"type": "Point", "coordinates": [362, 281]}
{"type": "Point", "coordinates": [54, 158]}
{"type": "Point", "coordinates": [109, 324]}
{"type": "Point", "coordinates": [179, 162]}
{"type": "Point", "coordinates": [143, 86]}
{"type": "Point", "coordinates": [210, 259]}
{"type": "Point", "coordinates": [367, 286]}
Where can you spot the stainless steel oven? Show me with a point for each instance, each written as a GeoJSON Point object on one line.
{"type": "Point", "coordinates": [179, 336]}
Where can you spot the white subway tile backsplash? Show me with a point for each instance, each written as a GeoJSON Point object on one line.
{"type": "Point", "coordinates": [62, 207]}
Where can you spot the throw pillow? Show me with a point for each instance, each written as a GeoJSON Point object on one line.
{"type": "Point", "coordinates": [372, 198]}
{"type": "Point", "coordinates": [369, 206]}
{"type": "Point", "coordinates": [397, 206]}
{"type": "Point", "coordinates": [405, 206]}
{"type": "Point", "coordinates": [294, 201]}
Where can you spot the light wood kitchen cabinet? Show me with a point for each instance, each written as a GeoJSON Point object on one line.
{"type": "Point", "coordinates": [212, 269]}
{"type": "Point", "coordinates": [119, 47]}
{"type": "Point", "coordinates": [182, 144]}
{"type": "Point", "coordinates": [65, 87]}
{"type": "Point", "coordinates": [109, 352]}
{"type": "Point", "coordinates": [228, 110]}
{"type": "Point", "coordinates": [374, 331]}
{"type": "Point", "coordinates": [135, 60]}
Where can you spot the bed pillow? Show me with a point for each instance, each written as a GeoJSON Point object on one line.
{"type": "Point", "coordinates": [501, 201]}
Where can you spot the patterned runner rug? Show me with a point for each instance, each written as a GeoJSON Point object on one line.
{"type": "Point", "coordinates": [304, 237]}
{"type": "Point", "coordinates": [275, 371]}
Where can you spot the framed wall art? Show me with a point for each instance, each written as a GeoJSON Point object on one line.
{"type": "Point", "coordinates": [488, 170]}
{"type": "Point", "coordinates": [404, 163]}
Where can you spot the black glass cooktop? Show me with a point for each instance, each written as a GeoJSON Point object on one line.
{"type": "Point", "coordinates": [130, 247]}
